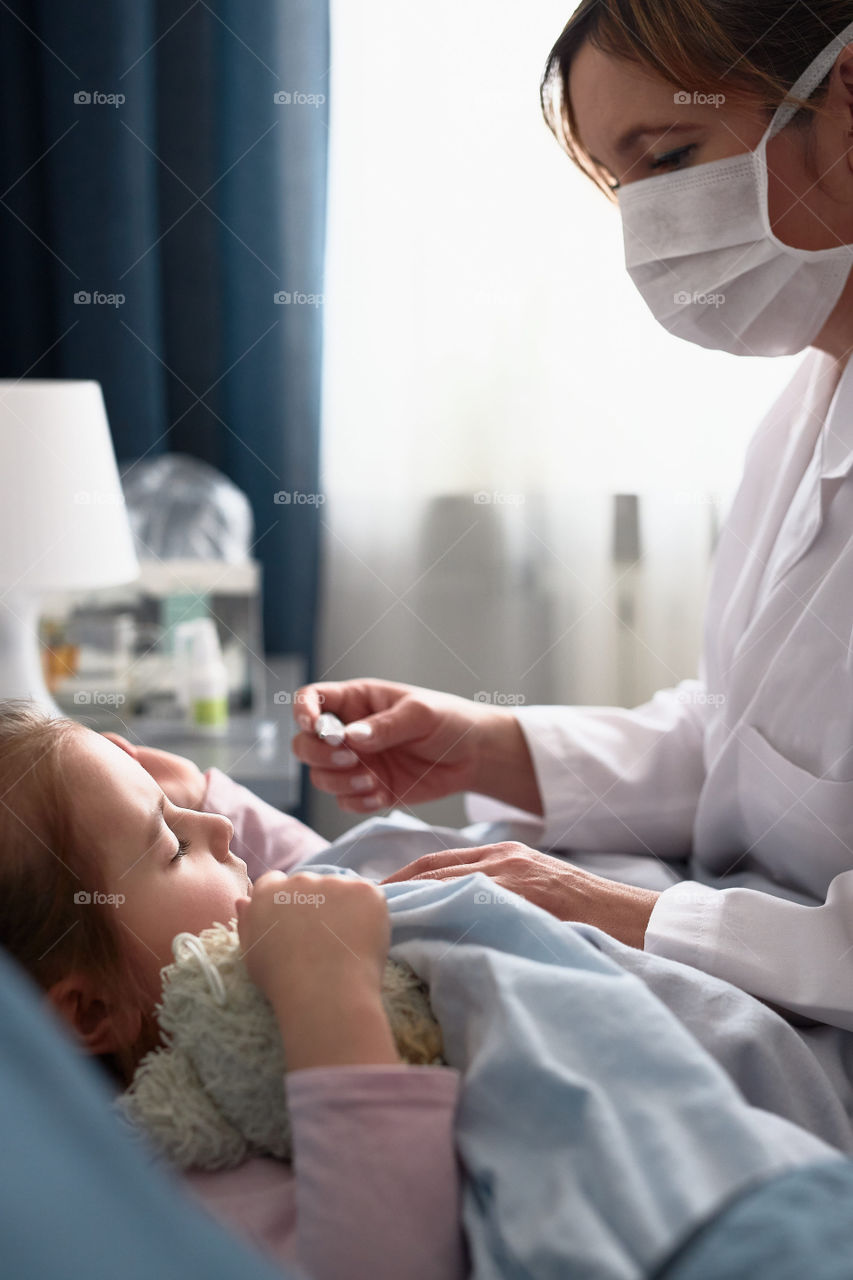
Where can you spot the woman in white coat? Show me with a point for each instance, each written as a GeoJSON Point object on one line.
{"type": "Point", "coordinates": [725, 129]}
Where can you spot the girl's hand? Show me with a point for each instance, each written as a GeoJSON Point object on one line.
{"type": "Point", "coordinates": [181, 780]}
{"type": "Point", "coordinates": [316, 946]}
{"type": "Point", "coordinates": [405, 745]}
{"type": "Point", "coordinates": [306, 928]}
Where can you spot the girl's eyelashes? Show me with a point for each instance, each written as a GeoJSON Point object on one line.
{"type": "Point", "coordinates": [672, 159]}
{"type": "Point", "coordinates": [183, 846]}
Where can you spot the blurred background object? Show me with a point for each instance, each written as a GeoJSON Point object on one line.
{"type": "Point", "coordinates": [193, 530]}
{"type": "Point", "coordinates": [63, 523]}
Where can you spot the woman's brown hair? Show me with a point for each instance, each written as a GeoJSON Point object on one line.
{"type": "Point", "coordinates": [752, 49]}
{"type": "Point", "coordinates": [51, 920]}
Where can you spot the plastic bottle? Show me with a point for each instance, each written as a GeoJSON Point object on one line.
{"type": "Point", "coordinates": [207, 680]}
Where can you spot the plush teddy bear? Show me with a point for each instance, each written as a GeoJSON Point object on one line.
{"type": "Point", "coordinates": [215, 1093]}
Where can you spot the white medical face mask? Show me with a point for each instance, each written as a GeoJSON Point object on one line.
{"type": "Point", "coordinates": [700, 248]}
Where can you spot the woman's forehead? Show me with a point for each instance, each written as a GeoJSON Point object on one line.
{"type": "Point", "coordinates": [611, 96]}
{"type": "Point", "coordinates": [621, 108]}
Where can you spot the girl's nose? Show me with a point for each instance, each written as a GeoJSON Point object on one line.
{"type": "Point", "coordinates": [221, 835]}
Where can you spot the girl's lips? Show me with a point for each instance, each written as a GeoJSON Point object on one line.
{"type": "Point", "coordinates": [246, 870]}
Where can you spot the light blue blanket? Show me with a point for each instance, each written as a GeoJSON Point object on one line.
{"type": "Point", "coordinates": [594, 1129]}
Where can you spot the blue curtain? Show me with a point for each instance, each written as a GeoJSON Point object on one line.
{"type": "Point", "coordinates": [167, 158]}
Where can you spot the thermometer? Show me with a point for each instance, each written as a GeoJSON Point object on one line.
{"type": "Point", "coordinates": [330, 729]}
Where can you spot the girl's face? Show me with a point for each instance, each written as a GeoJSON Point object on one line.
{"type": "Point", "coordinates": [170, 869]}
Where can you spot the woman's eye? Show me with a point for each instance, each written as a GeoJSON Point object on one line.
{"type": "Point", "coordinates": [672, 159]}
{"type": "Point", "coordinates": [183, 846]}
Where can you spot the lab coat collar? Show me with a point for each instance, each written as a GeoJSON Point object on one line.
{"type": "Point", "coordinates": [837, 435]}
{"type": "Point", "coordinates": [831, 461]}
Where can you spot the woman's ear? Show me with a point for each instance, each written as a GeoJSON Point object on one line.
{"type": "Point", "coordinates": [841, 92]}
{"type": "Point", "coordinates": [99, 1025]}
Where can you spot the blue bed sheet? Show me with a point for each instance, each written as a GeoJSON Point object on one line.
{"type": "Point", "coordinates": [594, 1130]}
{"type": "Point", "coordinates": [795, 1226]}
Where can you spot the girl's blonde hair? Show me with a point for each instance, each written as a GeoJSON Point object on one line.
{"type": "Point", "coordinates": [744, 49]}
{"type": "Point", "coordinates": [51, 921]}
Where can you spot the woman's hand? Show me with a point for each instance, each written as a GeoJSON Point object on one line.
{"type": "Point", "coordinates": [181, 780]}
{"type": "Point", "coordinates": [316, 946]}
{"type": "Point", "coordinates": [568, 892]}
{"type": "Point", "coordinates": [406, 745]}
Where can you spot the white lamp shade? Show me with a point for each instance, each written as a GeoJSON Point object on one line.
{"type": "Point", "coordinates": [63, 522]}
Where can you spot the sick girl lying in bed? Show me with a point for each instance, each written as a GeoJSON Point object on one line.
{"type": "Point", "coordinates": [109, 851]}
{"type": "Point", "coordinates": [100, 870]}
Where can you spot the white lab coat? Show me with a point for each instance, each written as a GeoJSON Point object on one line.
{"type": "Point", "coordinates": [748, 771]}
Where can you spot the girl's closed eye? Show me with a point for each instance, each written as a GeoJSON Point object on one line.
{"type": "Point", "coordinates": [183, 846]}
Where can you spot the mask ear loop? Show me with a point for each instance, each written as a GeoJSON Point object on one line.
{"type": "Point", "coordinates": [809, 81]}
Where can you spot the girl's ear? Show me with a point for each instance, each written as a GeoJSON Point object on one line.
{"type": "Point", "coordinates": [99, 1025]}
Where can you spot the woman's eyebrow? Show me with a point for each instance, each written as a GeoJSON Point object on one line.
{"type": "Point", "coordinates": [633, 136]}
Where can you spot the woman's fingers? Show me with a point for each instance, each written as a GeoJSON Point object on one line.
{"type": "Point", "coordinates": [364, 805]}
{"type": "Point", "coordinates": [309, 701]}
{"type": "Point", "coordinates": [358, 784]}
{"type": "Point", "coordinates": [377, 714]}
{"type": "Point", "coordinates": [396, 726]}
{"type": "Point", "coordinates": [345, 781]}
{"type": "Point", "coordinates": [312, 751]}
{"type": "Point", "coordinates": [350, 700]}
{"type": "Point", "coordinates": [452, 861]}
{"type": "Point", "coordinates": [357, 781]}
{"type": "Point", "coordinates": [340, 772]}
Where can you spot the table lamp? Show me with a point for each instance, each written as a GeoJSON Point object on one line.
{"type": "Point", "coordinates": [63, 523]}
